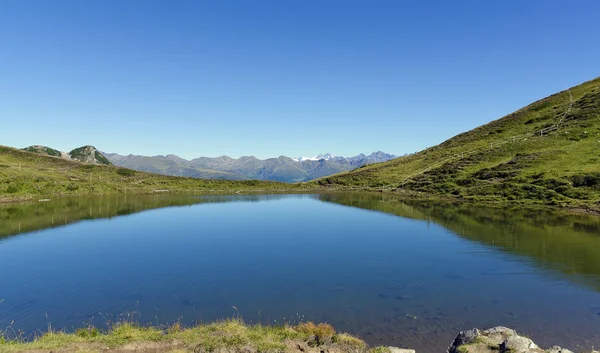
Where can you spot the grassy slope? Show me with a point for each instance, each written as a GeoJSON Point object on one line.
{"type": "Point", "coordinates": [229, 335]}
{"type": "Point", "coordinates": [562, 166]}
{"type": "Point", "coordinates": [26, 175]}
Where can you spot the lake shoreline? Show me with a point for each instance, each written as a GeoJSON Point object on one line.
{"type": "Point", "coordinates": [234, 335]}
{"type": "Point", "coordinates": [586, 208]}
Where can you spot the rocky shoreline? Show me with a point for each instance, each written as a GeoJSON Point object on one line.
{"type": "Point", "coordinates": [235, 337]}
{"type": "Point", "coordinates": [498, 339]}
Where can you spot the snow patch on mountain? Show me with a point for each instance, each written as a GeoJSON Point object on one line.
{"type": "Point", "coordinates": [326, 156]}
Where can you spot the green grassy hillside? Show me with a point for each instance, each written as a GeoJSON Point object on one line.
{"type": "Point", "coordinates": [547, 152]}
{"type": "Point", "coordinates": [28, 175]}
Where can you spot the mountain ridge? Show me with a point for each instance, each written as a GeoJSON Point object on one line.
{"type": "Point", "coordinates": [282, 168]}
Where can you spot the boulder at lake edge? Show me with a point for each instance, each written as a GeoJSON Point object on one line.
{"type": "Point", "coordinates": [497, 339]}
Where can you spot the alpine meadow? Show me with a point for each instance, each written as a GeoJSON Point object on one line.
{"type": "Point", "coordinates": [547, 152]}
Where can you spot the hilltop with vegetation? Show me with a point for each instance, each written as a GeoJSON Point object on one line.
{"type": "Point", "coordinates": [44, 150]}
{"type": "Point", "coordinates": [547, 152]}
{"type": "Point", "coordinates": [85, 154]}
{"type": "Point", "coordinates": [88, 154]}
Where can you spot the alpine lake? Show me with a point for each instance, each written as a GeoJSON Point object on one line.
{"type": "Point", "coordinates": [391, 272]}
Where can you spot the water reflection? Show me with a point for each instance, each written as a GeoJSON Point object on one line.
{"type": "Point", "coordinates": [24, 217]}
{"type": "Point", "coordinates": [568, 244]}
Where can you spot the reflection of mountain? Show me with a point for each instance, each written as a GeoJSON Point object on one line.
{"type": "Point", "coordinates": [30, 216]}
{"type": "Point", "coordinates": [565, 244]}
{"type": "Point", "coordinates": [25, 217]}
{"type": "Point", "coordinates": [569, 244]}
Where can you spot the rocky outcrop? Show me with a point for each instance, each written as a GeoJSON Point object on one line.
{"type": "Point", "coordinates": [86, 154]}
{"type": "Point", "coordinates": [497, 340]}
{"type": "Point", "coordinates": [89, 155]}
{"type": "Point", "coordinates": [43, 150]}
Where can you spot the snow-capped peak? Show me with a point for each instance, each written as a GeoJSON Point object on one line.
{"type": "Point", "coordinates": [326, 156]}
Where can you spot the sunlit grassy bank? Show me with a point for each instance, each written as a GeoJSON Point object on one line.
{"type": "Point", "coordinates": [545, 153]}
{"type": "Point", "coordinates": [228, 335]}
{"type": "Point", "coordinates": [26, 175]}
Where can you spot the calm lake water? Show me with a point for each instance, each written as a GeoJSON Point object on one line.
{"type": "Point", "coordinates": [390, 272]}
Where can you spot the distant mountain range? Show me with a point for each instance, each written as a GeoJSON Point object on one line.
{"type": "Point", "coordinates": [283, 168]}
{"type": "Point", "coordinates": [85, 154]}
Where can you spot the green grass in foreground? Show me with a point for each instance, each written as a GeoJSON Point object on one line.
{"type": "Point", "coordinates": [231, 335]}
{"type": "Point", "coordinates": [28, 175]}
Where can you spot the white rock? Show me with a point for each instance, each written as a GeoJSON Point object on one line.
{"type": "Point", "coordinates": [518, 344]}
{"type": "Point", "coordinates": [497, 335]}
{"type": "Point", "coordinates": [400, 350]}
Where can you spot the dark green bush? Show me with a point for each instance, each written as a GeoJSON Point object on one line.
{"type": "Point", "coordinates": [13, 188]}
{"type": "Point", "coordinates": [125, 172]}
{"type": "Point", "coordinates": [589, 180]}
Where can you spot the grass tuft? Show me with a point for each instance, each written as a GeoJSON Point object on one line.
{"type": "Point", "coordinates": [380, 349]}
{"type": "Point", "coordinates": [320, 330]}
{"type": "Point", "coordinates": [346, 339]}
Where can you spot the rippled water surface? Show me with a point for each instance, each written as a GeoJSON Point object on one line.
{"type": "Point", "coordinates": [391, 272]}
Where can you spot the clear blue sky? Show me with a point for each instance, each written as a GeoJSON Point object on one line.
{"type": "Point", "coordinates": [270, 78]}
